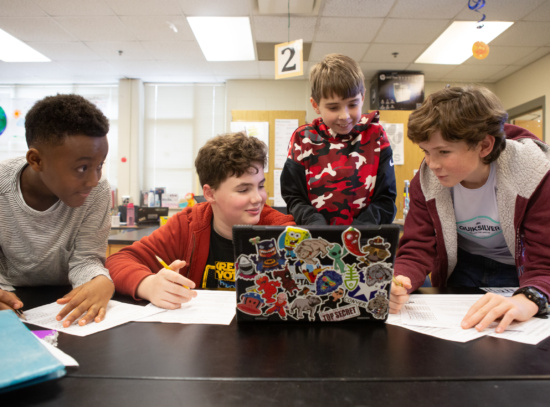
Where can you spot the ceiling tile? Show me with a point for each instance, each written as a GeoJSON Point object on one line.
{"type": "Point", "coordinates": [104, 28]}
{"type": "Point", "coordinates": [159, 28]}
{"type": "Point", "coordinates": [397, 31]}
{"type": "Point", "coordinates": [217, 8]}
{"type": "Point", "coordinates": [384, 53]}
{"type": "Point", "coordinates": [20, 8]}
{"type": "Point", "coordinates": [536, 55]}
{"type": "Point", "coordinates": [75, 7]}
{"type": "Point", "coordinates": [541, 13]}
{"type": "Point", "coordinates": [65, 51]}
{"type": "Point", "coordinates": [500, 10]}
{"type": "Point", "coordinates": [352, 50]}
{"type": "Point", "coordinates": [503, 55]}
{"type": "Point", "coordinates": [473, 73]}
{"type": "Point", "coordinates": [276, 29]}
{"type": "Point", "coordinates": [365, 8]}
{"type": "Point", "coordinates": [120, 50]}
{"type": "Point", "coordinates": [367, 30]}
{"type": "Point", "coordinates": [43, 29]}
{"type": "Point", "coordinates": [145, 8]}
{"type": "Point", "coordinates": [347, 29]}
{"type": "Point", "coordinates": [169, 51]}
{"type": "Point", "coordinates": [427, 9]}
{"type": "Point", "coordinates": [525, 33]}
{"type": "Point", "coordinates": [509, 70]}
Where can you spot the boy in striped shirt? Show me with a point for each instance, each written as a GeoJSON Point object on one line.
{"type": "Point", "coordinates": [54, 209]}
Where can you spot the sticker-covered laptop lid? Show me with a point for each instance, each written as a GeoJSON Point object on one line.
{"type": "Point", "coordinates": [314, 273]}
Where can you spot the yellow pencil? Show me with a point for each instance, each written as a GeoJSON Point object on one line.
{"type": "Point", "coordinates": [399, 283]}
{"type": "Point", "coordinates": [167, 268]}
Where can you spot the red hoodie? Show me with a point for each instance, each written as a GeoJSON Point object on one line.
{"type": "Point", "coordinates": [186, 236]}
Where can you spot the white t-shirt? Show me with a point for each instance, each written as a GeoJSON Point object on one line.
{"type": "Point", "coordinates": [478, 221]}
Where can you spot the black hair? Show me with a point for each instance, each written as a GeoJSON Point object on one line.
{"type": "Point", "coordinates": [53, 118]}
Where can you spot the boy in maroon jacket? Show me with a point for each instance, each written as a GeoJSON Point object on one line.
{"type": "Point", "coordinates": [479, 208]}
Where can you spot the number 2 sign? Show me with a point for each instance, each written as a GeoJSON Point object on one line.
{"type": "Point", "coordinates": [289, 59]}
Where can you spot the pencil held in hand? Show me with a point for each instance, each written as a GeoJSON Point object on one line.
{"type": "Point", "coordinates": [163, 263]}
{"type": "Point", "coordinates": [20, 314]}
{"type": "Point", "coordinates": [398, 283]}
{"type": "Point", "coordinates": [168, 268]}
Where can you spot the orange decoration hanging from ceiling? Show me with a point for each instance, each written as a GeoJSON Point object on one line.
{"type": "Point", "coordinates": [480, 50]}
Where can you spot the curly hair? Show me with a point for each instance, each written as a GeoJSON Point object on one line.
{"type": "Point", "coordinates": [53, 118]}
{"type": "Point", "coordinates": [337, 75]}
{"type": "Point", "coordinates": [228, 155]}
{"type": "Point", "coordinates": [461, 114]}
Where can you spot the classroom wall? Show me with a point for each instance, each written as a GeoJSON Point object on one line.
{"type": "Point", "coordinates": [529, 83]}
{"type": "Point", "coordinates": [285, 94]}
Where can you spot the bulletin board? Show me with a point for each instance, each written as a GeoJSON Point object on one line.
{"type": "Point", "coordinates": [270, 116]}
{"type": "Point", "coordinates": [413, 155]}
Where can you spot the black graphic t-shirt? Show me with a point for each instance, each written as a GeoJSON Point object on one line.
{"type": "Point", "coordinates": [219, 272]}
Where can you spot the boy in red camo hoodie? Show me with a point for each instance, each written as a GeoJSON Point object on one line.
{"type": "Point", "coordinates": [339, 169]}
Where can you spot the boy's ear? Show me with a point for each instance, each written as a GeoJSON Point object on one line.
{"type": "Point", "coordinates": [315, 105]}
{"type": "Point", "coordinates": [34, 159]}
{"type": "Point", "coordinates": [208, 193]}
{"type": "Point", "coordinates": [486, 145]}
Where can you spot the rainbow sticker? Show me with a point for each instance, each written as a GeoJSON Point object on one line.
{"type": "Point", "coordinates": [3, 121]}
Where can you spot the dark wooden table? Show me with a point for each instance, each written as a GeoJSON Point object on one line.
{"type": "Point", "coordinates": [141, 364]}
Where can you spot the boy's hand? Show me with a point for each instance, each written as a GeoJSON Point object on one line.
{"type": "Point", "coordinates": [165, 288]}
{"type": "Point", "coordinates": [492, 306]}
{"type": "Point", "coordinates": [90, 298]}
{"type": "Point", "coordinates": [399, 293]}
{"type": "Point", "coordinates": [9, 301]}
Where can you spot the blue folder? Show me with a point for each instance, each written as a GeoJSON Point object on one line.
{"type": "Point", "coordinates": [23, 359]}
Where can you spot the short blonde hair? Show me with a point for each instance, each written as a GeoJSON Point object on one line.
{"type": "Point", "coordinates": [336, 75]}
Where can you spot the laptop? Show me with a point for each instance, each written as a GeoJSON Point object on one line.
{"type": "Point", "coordinates": [313, 273]}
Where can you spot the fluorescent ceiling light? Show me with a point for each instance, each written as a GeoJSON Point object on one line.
{"type": "Point", "coordinates": [454, 46]}
{"type": "Point", "coordinates": [224, 38]}
{"type": "Point", "coordinates": [14, 50]}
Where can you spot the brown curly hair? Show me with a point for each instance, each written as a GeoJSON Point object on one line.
{"type": "Point", "coordinates": [461, 114]}
{"type": "Point", "coordinates": [228, 155]}
{"type": "Point", "coordinates": [336, 75]}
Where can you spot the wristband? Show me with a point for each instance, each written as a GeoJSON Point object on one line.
{"type": "Point", "coordinates": [537, 296]}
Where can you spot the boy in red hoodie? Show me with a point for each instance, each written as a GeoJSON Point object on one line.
{"type": "Point", "coordinates": [197, 242]}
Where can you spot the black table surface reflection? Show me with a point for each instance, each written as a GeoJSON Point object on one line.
{"type": "Point", "coordinates": [298, 364]}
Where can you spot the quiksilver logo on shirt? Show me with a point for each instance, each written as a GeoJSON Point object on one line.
{"type": "Point", "coordinates": [481, 227]}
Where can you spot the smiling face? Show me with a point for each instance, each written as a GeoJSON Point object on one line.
{"type": "Point", "coordinates": [340, 114]}
{"type": "Point", "coordinates": [67, 172]}
{"type": "Point", "coordinates": [238, 200]}
{"type": "Point", "coordinates": [456, 162]}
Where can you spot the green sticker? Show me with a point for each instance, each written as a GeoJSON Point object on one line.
{"type": "Point", "coordinates": [3, 121]}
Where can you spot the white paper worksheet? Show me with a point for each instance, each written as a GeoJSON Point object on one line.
{"type": "Point", "coordinates": [118, 313]}
{"type": "Point", "coordinates": [440, 315]}
{"type": "Point", "coordinates": [208, 307]}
